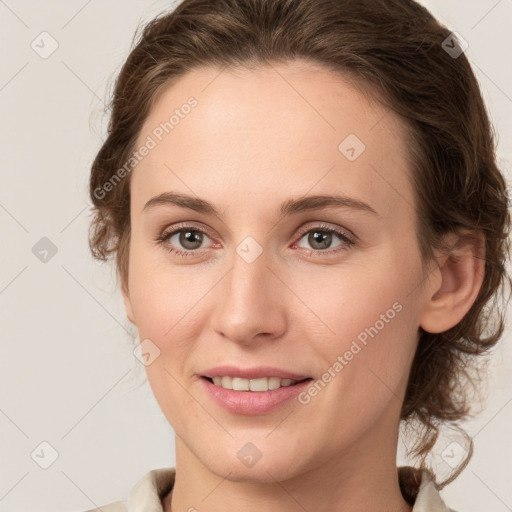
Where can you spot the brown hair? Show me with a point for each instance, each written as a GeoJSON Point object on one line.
{"type": "Point", "coordinates": [394, 48]}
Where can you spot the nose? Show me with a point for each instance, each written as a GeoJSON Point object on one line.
{"type": "Point", "coordinates": [251, 305]}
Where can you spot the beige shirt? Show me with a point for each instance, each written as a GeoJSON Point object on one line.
{"type": "Point", "coordinates": [148, 493]}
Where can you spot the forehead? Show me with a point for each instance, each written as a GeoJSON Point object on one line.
{"type": "Point", "coordinates": [272, 131]}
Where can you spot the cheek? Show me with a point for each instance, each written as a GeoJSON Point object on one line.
{"type": "Point", "coordinates": [375, 338]}
{"type": "Point", "coordinates": [362, 299]}
{"type": "Point", "coordinates": [365, 364]}
{"type": "Point", "coordinates": [166, 305]}
{"type": "Point", "coordinates": [368, 327]}
{"type": "Point", "coordinates": [164, 296]}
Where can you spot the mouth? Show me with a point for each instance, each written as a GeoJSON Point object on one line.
{"type": "Point", "coordinates": [252, 397]}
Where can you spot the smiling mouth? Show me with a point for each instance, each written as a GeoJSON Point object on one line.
{"type": "Point", "coordinates": [255, 385]}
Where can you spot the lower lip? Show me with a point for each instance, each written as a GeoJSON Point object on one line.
{"type": "Point", "coordinates": [252, 403]}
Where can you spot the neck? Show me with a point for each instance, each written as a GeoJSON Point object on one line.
{"type": "Point", "coordinates": [362, 477]}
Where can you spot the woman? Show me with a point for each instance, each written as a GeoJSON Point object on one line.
{"type": "Point", "coordinates": [309, 226]}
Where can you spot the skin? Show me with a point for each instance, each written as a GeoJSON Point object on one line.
{"type": "Point", "coordinates": [256, 139]}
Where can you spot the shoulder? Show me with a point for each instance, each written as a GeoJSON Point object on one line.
{"type": "Point", "coordinates": [428, 498]}
{"type": "Point", "coordinates": [419, 489]}
{"type": "Point", "coordinates": [147, 493]}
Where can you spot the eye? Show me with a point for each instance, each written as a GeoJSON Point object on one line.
{"type": "Point", "coordinates": [183, 240]}
{"type": "Point", "coordinates": [187, 241]}
{"type": "Point", "coordinates": [320, 238]}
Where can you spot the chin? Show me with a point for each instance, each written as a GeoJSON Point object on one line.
{"type": "Point", "coordinates": [246, 467]}
{"type": "Point", "coordinates": [260, 474]}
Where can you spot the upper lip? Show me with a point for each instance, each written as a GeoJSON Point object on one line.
{"type": "Point", "coordinates": [252, 373]}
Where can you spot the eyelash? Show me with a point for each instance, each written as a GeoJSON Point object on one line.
{"type": "Point", "coordinates": [348, 240]}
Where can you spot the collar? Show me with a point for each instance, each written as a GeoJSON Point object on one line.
{"type": "Point", "coordinates": [148, 493]}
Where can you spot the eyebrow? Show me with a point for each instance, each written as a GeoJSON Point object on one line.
{"type": "Point", "coordinates": [289, 207]}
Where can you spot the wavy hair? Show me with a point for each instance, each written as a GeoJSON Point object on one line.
{"type": "Point", "coordinates": [396, 51]}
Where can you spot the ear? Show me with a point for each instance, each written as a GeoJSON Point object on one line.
{"type": "Point", "coordinates": [127, 302]}
{"type": "Point", "coordinates": [459, 277]}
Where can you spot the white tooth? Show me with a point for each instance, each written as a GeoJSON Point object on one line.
{"type": "Point", "coordinates": [274, 383]}
{"type": "Point", "coordinates": [227, 382]}
{"type": "Point", "coordinates": [258, 384]}
{"type": "Point", "coordinates": [240, 384]}
{"type": "Point", "coordinates": [261, 384]}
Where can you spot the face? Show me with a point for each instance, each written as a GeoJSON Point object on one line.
{"type": "Point", "coordinates": [264, 276]}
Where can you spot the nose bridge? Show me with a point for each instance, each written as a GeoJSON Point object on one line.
{"type": "Point", "coordinates": [248, 304]}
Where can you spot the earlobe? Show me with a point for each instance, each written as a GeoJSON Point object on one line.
{"type": "Point", "coordinates": [462, 274]}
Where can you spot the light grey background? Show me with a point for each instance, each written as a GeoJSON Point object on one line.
{"type": "Point", "coordinates": [68, 373]}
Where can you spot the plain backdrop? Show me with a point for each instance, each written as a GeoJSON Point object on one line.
{"type": "Point", "coordinates": [68, 374]}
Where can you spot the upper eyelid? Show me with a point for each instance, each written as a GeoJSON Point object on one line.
{"type": "Point", "coordinates": [319, 225]}
{"type": "Point", "coordinates": [182, 227]}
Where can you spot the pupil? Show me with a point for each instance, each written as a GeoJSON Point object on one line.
{"type": "Point", "coordinates": [323, 239]}
{"type": "Point", "coordinates": [190, 237]}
